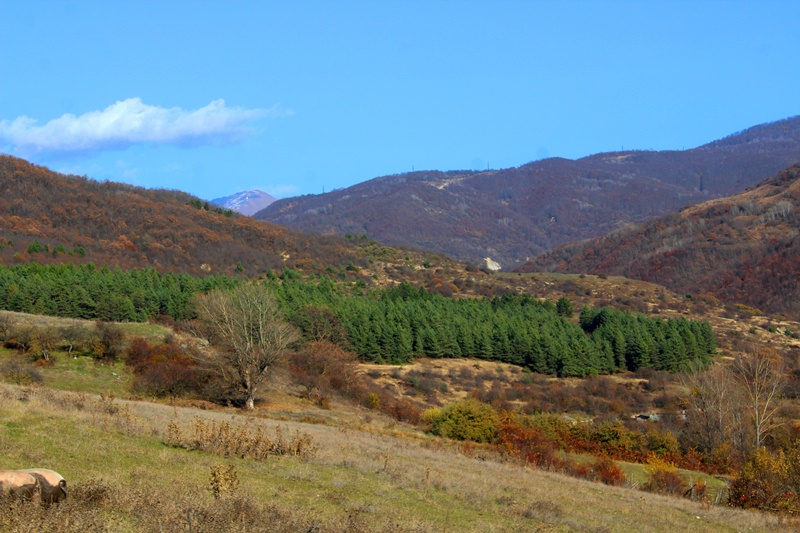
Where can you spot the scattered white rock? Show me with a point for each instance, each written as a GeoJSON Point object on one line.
{"type": "Point", "coordinates": [494, 266]}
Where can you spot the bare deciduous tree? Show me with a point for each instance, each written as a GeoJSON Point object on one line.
{"type": "Point", "coordinates": [712, 395]}
{"type": "Point", "coordinates": [247, 327]}
{"type": "Point", "coordinates": [7, 326]}
{"type": "Point", "coordinates": [74, 335]}
{"type": "Point", "coordinates": [735, 403]}
{"type": "Point", "coordinates": [45, 342]}
{"type": "Point", "coordinates": [761, 375]}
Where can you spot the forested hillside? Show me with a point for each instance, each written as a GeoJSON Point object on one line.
{"type": "Point", "coordinates": [394, 325]}
{"type": "Point", "coordinates": [46, 217]}
{"type": "Point", "coordinates": [403, 323]}
{"type": "Point", "coordinates": [743, 249]}
{"type": "Point", "coordinates": [514, 214]}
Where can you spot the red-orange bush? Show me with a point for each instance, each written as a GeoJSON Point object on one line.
{"type": "Point", "coordinates": [607, 471]}
{"type": "Point", "coordinates": [163, 369]}
{"type": "Point", "coordinates": [323, 367]}
{"type": "Point", "coordinates": [769, 481]}
{"type": "Point", "coordinates": [529, 444]}
{"type": "Point", "coordinates": [664, 478]}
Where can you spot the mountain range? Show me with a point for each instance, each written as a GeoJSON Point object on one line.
{"type": "Point", "coordinates": [245, 202]}
{"type": "Point", "coordinates": [512, 215]}
{"type": "Point", "coordinates": [742, 249]}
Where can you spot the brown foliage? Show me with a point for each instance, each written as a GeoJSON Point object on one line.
{"type": "Point", "coordinates": [322, 368]}
{"type": "Point", "coordinates": [164, 369]}
{"type": "Point", "coordinates": [664, 478]}
{"type": "Point", "coordinates": [743, 249]}
{"type": "Point", "coordinates": [122, 225]}
{"type": "Point", "coordinates": [108, 341]}
{"type": "Point", "coordinates": [606, 471]}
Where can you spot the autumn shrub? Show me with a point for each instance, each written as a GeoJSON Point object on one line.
{"type": "Point", "coordinates": [107, 341]}
{"type": "Point", "coordinates": [322, 367]}
{"type": "Point", "coordinates": [223, 480]}
{"type": "Point", "coordinates": [164, 369]}
{"type": "Point", "coordinates": [606, 471]}
{"type": "Point", "coordinates": [15, 370]}
{"type": "Point", "coordinates": [613, 438]}
{"type": "Point", "coordinates": [403, 410]}
{"type": "Point", "coordinates": [661, 443]}
{"type": "Point", "coordinates": [664, 478]}
{"type": "Point", "coordinates": [529, 444]}
{"type": "Point", "coordinates": [769, 481]}
{"type": "Point", "coordinates": [229, 440]}
{"type": "Point", "coordinates": [553, 426]}
{"type": "Point", "coordinates": [722, 459]}
{"type": "Point", "coordinates": [466, 420]}
{"type": "Point", "coordinates": [579, 470]}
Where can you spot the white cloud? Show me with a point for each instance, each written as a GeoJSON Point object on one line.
{"type": "Point", "coordinates": [132, 122]}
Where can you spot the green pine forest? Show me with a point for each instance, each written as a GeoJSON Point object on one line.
{"type": "Point", "coordinates": [393, 325]}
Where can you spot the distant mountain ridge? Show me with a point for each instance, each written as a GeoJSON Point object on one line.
{"type": "Point", "coordinates": [246, 203]}
{"type": "Point", "coordinates": [743, 249]}
{"type": "Point", "coordinates": [514, 214]}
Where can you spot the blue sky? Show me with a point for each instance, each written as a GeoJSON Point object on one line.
{"type": "Point", "coordinates": [294, 97]}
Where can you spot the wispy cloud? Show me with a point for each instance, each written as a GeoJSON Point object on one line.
{"type": "Point", "coordinates": [132, 122]}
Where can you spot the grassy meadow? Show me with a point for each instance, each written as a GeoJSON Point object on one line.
{"type": "Point", "coordinates": [135, 465]}
{"type": "Point", "coordinates": [376, 476]}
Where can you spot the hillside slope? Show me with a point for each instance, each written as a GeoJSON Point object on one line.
{"type": "Point", "coordinates": [744, 248]}
{"type": "Point", "coordinates": [513, 214]}
{"type": "Point", "coordinates": [48, 217]}
{"type": "Point", "coordinates": [370, 477]}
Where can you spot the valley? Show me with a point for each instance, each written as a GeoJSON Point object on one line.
{"type": "Point", "coordinates": [409, 378]}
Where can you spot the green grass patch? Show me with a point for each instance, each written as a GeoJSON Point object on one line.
{"type": "Point", "coordinates": [151, 332]}
{"type": "Point", "coordinates": [636, 474]}
{"type": "Point", "coordinates": [84, 374]}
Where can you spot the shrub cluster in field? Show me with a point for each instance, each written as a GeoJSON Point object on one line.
{"type": "Point", "coordinates": [534, 447]}
{"type": "Point", "coordinates": [104, 341]}
{"type": "Point", "coordinates": [535, 393]}
{"type": "Point", "coordinates": [223, 438]}
{"type": "Point", "coordinates": [465, 420]}
{"type": "Point", "coordinates": [770, 480]}
{"type": "Point", "coordinates": [165, 369]}
{"type": "Point", "coordinates": [36, 345]}
{"type": "Point", "coordinates": [541, 440]}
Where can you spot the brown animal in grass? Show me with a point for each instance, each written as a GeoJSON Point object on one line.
{"type": "Point", "coordinates": [18, 484]}
{"type": "Point", "coordinates": [52, 486]}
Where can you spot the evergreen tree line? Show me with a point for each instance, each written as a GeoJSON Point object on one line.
{"type": "Point", "coordinates": [93, 293]}
{"type": "Point", "coordinates": [391, 326]}
{"type": "Point", "coordinates": [398, 324]}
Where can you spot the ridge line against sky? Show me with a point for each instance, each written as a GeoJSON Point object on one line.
{"type": "Point", "coordinates": [216, 97]}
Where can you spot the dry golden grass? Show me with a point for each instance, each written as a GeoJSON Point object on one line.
{"type": "Point", "coordinates": [378, 477]}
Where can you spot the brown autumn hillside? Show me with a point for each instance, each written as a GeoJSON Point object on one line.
{"type": "Point", "coordinates": [743, 248]}
{"type": "Point", "coordinates": [514, 214]}
{"type": "Point", "coordinates": [75, 219]}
